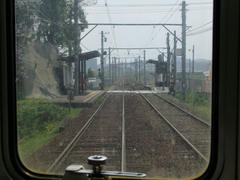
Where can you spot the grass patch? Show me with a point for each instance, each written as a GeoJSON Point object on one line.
{"type": "Point", "coordinates": [100, 99]}
{"type": "Point", "coordinates": [34, 115]}
{"type": "Point", "coordinates": [198, 102]}
{"type": "Point", "coordinates": [38, 123]}
{"type": "Point", "coordinates": [204, 110]}
{"type": "Point", "coordinates": [75, 112]}
{"type": "Point", "coordinates": [30, 144]}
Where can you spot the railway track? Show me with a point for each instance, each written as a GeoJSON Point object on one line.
{"type": "Point", "coordinates": [183, 110]}
{"type": "Point", "coordinates": [194, 130]}
{"type": "Point", "coordinates": [130, 132]}
{"type": "Point", "coordinates": [153, 147]}
{"type": "Point", "coordinates": [100, 135]}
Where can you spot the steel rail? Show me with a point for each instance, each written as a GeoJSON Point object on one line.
{"type": "Point", "coordinates": [186, 112]}
{"type": "Point", "coordinates": [123, 150]}
{"type": "Point", "coordinates": [70, 146]}
{"type": "Point", "coordinates": [175, 129]}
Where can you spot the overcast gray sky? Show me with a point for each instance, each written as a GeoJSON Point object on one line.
{"type": "Point", "coordinates": [199, 16]}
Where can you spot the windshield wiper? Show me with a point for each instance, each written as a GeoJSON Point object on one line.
{"type": "Point", "coordinates": [77, 172]}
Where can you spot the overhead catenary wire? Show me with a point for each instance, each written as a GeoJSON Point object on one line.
{"type": "Point", "coordinates": [110, 21]}
{"type": "Point", "coordinates": [199, 27]}
{"type": "Point", "coordinates": [153, 34]}
{"type": "Point", "coordinates": [165, 17]}
{"type": "Point", "coordinates": [138, 11]}
{"type": "Point", "coordinates": [169, 16]}
{"type": "Point", "coordinates": [81, 44]}
{"type": "Point", "coordinates": [200, 32]}
{"type": "Point", "coordinates": [151, 5]}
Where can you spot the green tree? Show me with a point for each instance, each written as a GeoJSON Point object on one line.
{"type": "Point", "coordinates": [91, 73]}
{"type": "Point", "coordinates": [25, 18]}
{"type": "Point", "coordinates": [48, 21]}
{"type": "Point", "coordinates": [56, 26]}
{"type": "Point", "coordinates": [52, 15]}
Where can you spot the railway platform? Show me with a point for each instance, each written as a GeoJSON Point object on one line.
{"type": "Point", "coordinates": [85, 100]}
{"type": "Point", "coordinates": [158, 89]}
{"type": "Point", "coordinates": [152, 91]}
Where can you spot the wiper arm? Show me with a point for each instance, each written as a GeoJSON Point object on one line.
{"type": "Point", "coordinates": [77, 172]}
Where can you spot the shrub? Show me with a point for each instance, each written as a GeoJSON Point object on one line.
{"type": "Point", "coordinates": [34, 115]}
{"type": "Point", "coordinates": [194, 98]}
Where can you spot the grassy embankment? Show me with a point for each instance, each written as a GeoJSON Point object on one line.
{"type": "Point", "coordinates": [38, 123]}
{"type": "Point", "coordinates": [100, 99]}
{"type": "Point", "coordinates": [200, 103]}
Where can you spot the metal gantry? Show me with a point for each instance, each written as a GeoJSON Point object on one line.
{"type": "Point", "coordinates": [113, 67]}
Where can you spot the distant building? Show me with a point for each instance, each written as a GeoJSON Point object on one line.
{"type": "Point", "coordinates": [196, 82]}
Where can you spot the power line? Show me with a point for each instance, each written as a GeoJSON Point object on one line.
{"type": "Point", "coordinates": [151, 5]}
{"type": "Point", "coordinates": [81, 44]}
{"type": "Point", "coordinates": [110, 21]}
{"type": "Point", "coordinates": [140, 11]}
{"type": "Point", "coordinates": [175, 4]}
{"type": "Point", "coordinates": [131, 24]}
{"type": "Point", "coordinates": [199, 27]}
{"type": "Point", "coordinates": [200, 32]}
{"type": "Point", "coordinates": [191, 31]}
{"type": "Point", "coordinates": [129, 11]}
{"type": "Point", "coordinates": [151, 38]}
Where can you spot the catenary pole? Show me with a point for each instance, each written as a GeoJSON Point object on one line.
{"type": "Point", "coordinates": [174, 62]}
{"type": "Point", "coordinates": [102, 65]}
{"type": "Point", "coordinates": [144, 67]}
{"type": "Point", "coordinates": [183, 49]}
{"type": "Point", "coordinates": [168, 61]}
{"type": "Point", "coordinates": [76, 48]}
{"type": "Point", "coordinates": [139, 66]}
{"type": "Point", "coordinates": [109, 62]}
{"type": "Point", "coordinates": [193, 58]}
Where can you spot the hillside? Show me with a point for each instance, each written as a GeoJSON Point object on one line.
{"type": "Point", "coordinates": [40, 61]}
{"type": "Point", "coordinates": [200, 65]}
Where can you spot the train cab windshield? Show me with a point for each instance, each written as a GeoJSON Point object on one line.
{"type": "Point", "coordinates": [127, 80]}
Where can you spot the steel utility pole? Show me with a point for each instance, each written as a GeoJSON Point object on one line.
{"type": "Point", "coordinates": [76, 49]}
{"type": "Point", "coordinates": [174, 61]}
{"type": "Point", "coordinates": [193, 59]}
{"type": "Point", "coordinates": [144, 67]}
{"type": "Point", "coordinates": [168, 61]}
{"type": "Point", "coordinates": [115, 68]}
{"type": "Point", "coordinates": [173, 67]}
{"type": "Point", "coordinates": [118, 68]}
{"type": "Point", "coordinates": [109, 62]}
{"type": "Point", "coordinates": [139, 66]}
{"type": "Point", "coordinates": [136, 73]}
{"type": "Point", "coordinates": [189, 73]}
{"type": "Point", "coordinates": [112, 68]}
{"type": "Point", "coordinates": [125, 68]}
{"type": "Point", "coordinates": [122, 66]}
{"type": "Point", "coordinates": [102, 65]}
{"type": "Point", "coordinates": [183, 49]}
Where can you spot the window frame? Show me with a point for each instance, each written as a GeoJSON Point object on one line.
{"type": "Point", "coordinates": [224, 147]}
